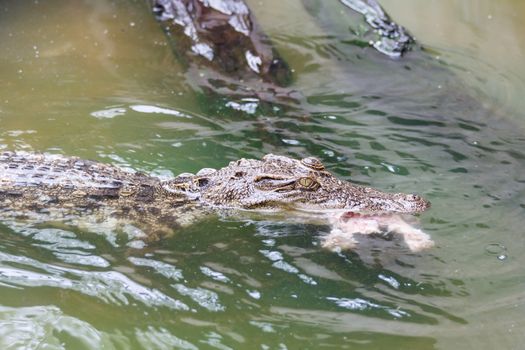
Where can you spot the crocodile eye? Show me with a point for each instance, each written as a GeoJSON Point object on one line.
{"type": "Point", "coordinates": [308, 183]}
{"type": "Point", "coordinates": [312, 163]}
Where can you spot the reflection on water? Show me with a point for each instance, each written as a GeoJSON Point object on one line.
{"type": "Point", "coordinates": [264, 270]}
{"type": "Point", "coordinates": [96, 80]}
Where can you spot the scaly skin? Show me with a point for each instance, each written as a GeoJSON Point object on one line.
{"type": "Point", "coordinates": [40, 183]}
{"type": "Point", "coordinates": [278, 182]}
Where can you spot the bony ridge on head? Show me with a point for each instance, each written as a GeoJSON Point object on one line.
{"type": "Point", "coordinates": [313, 163]}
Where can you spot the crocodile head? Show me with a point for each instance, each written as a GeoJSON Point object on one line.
{"type": "Point", "coordinates": [278, 182]}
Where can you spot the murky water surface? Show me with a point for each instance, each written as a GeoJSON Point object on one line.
{"type": "Point", "coordinates": [97, 79]}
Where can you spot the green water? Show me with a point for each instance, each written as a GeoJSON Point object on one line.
{"type": "Point", "coordinates": [447, 123]}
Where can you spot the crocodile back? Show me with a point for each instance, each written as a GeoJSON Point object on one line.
{"type": "Point", "coordinates": [32, 170]}
{"type": "Point", "coordinates": [44, 187]}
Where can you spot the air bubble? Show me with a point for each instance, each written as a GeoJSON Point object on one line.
{"type": "Point", "coordinates": [497, 249]}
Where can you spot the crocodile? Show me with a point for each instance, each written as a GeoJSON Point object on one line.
{"type": "Point", "coordinates": [48, 183]}
{"type": "Point", "coordinates": [224, 35]}
{"type": "Point", "coordinates": [391, 39]}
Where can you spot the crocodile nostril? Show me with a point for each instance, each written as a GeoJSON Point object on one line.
{"type": "Point", "coordinates": [414, 197]}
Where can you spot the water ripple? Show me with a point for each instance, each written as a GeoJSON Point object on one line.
{"type": "Point", "coordinates": [108, 286]}
{"type": "Point", "coordinates": [166, 270]}
{"type": "Point", "coordinates": [361, 305]}
{"type": "Point", "coordinates": [205, 298]}
{"type": "Point", "coordinates": [45, 327]}
{"type": "Point", "coordinates": [161, 338]}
